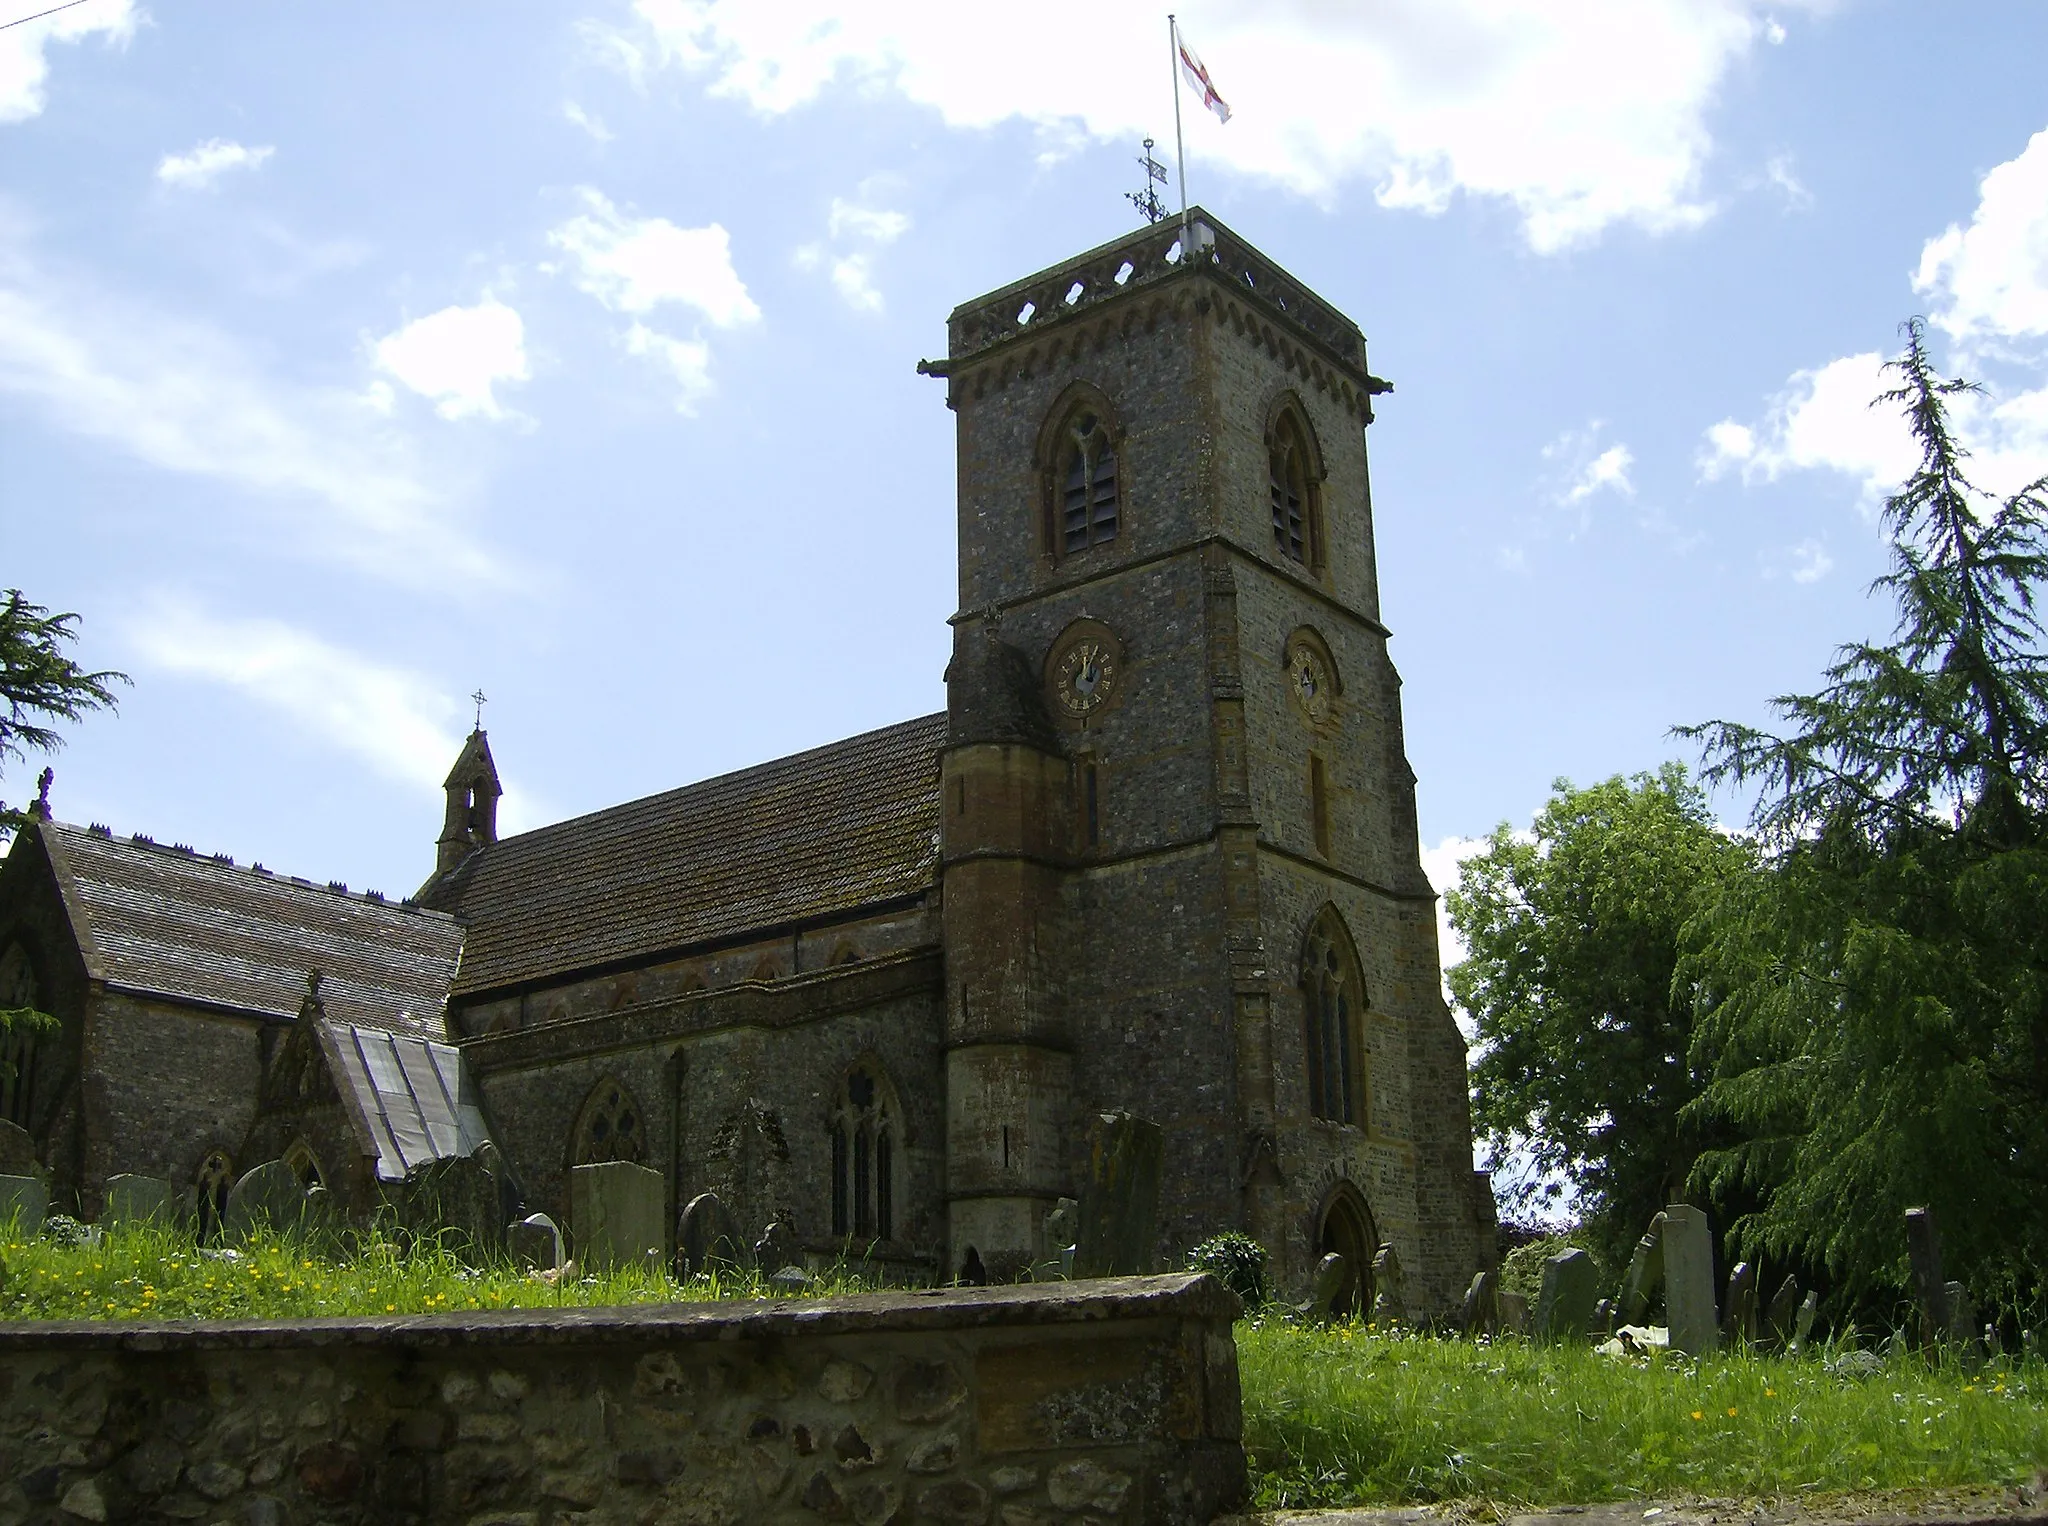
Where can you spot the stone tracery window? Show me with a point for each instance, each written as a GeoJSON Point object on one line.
{"type": "Point", "coordinates": [1292, 484]}
{"type": "Point", "coordinates": [1087, 484]}
{"type": "Point", "coordinates": [305, 1165]}
{"type": "Point", "coordinates": [17, 1044]}
{"type": "Point", "coordinates": [1333, 1002]}
{"type": "Point", "coordinates": [864, 1139]}
{"type": "Point", "coordinates": [610, 1127]}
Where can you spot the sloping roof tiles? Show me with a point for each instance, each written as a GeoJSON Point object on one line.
{"type": "Point", "coordinates": [811, 834]}
{"type": "Point", "coordinates": [175, 923]}
{"type": "Point", "coordinates": [416, 1097]}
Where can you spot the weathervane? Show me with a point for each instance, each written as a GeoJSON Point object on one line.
{"type": "Point", "coordinates": [1147, 201]}
{"type": "Point", "coordinates": [478, 697]}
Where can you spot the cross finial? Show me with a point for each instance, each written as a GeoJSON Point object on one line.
{"type": "Point", "coordinates": [481, 701]}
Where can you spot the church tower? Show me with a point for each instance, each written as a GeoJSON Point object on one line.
{"type": "Point", "coordinates": [1180, 865]}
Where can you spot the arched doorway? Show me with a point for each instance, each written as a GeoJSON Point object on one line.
{"type": "Point", "coordinates": [1344, 1225]}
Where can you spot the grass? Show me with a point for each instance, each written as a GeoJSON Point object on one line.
{"type": "Point", "coordinates": [1335, 1417]}
{"type": "Point", "coordinates": [1349, 1417]}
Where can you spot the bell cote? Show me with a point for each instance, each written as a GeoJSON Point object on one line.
{"type": "Point", "coordinates": [472, 788]}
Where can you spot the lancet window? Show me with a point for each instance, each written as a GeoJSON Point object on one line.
{"type": "Point", "coordinates": [610, 1127]}
{"type": "Point", "coordinates": [1333, 1003]}
{"type": "Point", "coordinates": [1087, 484]}
{"type": "Point", "coordinates": [1292, 485]}
{"type": "Point", "coordinates": [864, 1140]}
{"type": "Point", "coordinates": [18, 1043]}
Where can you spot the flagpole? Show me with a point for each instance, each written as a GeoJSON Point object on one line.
{"type": "Point", "coordinates": [1180, 152]}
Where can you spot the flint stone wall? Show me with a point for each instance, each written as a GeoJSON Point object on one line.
{"type": "Point", "coordinates": [1113, 1401]}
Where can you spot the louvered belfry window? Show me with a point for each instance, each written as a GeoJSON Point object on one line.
{"type": "Point", "coordinates": [1088, 506]}
{"type": "Point", "coordinates": [1293, 531]}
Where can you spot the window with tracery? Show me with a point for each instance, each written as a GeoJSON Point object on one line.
{"type": "Point", "coordinates": [1291, 483]}
{"type": "Point", "coordinates": [1087, 485]}
{"type": "Point", "coordinates": [611, 1127]}
{"type": "Point", "coordinates": [864, 1160]}
{"type": "Point", "coordinates": [211, 1185]}
{"type": "Point", "coordinates": [18, 1044]}
{"type": "Point", "coordinates": [1333, 1002]}
{"type": "Point", "coordinates": [304, 1164]}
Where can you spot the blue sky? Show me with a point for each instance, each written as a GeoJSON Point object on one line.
{"type": "Point", "coordinates": [352, 358]}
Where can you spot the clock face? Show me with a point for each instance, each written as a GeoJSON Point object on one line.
{"type": "Point", "coordinates": [1085, 675]}
{"type": "Point", "coordinates": [1308, 677]}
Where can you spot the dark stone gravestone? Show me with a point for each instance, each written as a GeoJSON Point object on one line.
{"type": "Point", "coordinates": [18, 1151]}
{"type": "Point", "coordinates": [1333, 1275]}
{"type": "Point", "coordinates": [615, 1213]}
{"type": "Point", "coordinates": [1118, 1232]}
{"type": "Point", "coordinates": [270, 1197]}
{"type": "Point", "coordinates": [1061, 1225]}
{"type": "Point", "coordinates": [1564, 1307]}
{"type": "Point", "coordinates": [776, 1248]}
{"type": "Point", "coordinates": [1738, 1315]}
{"type": "Point", "coordinates": [26, 1201]}
{"type": "Point", "coordinates": [1603, 1317]}
{"type": "Point", "coordinates": [139, 1200]}
{"type": "Point", "coordinates": [1689, 1281]}
{"type": "Point", "coordinates": [1783, 1310]}
{"type": "Point", "coordinates": [1930, 1292]}
{"type": "Point", "coordinates": [1479, 1314]}
{"type": "Point", "coordinates": [1514, 1313]}
{"type": "Point", "coordinates": [455, 1201]}
{"type": "Point", "coordinates": [1802, 1323]}
{"type": "Point", "coordinates": [535, 1243]}
{"type": "Point", "coordinates": [707, 1237]}
{"type": "Point", "coordinates": [1390, 1288]}
{"type": "Point", "coordinates": [791, 1280]}
{"type": "Point", "coordinates": [1645, 1272]}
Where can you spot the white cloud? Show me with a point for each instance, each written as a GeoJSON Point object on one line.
{"type": "Point", "coordinates": [1608, 470]}
{"type": "Point", "coordinates": [456, 355]}
{"type": "Point", "coordinates": [390, 717]}
{"type": "Point", "coordinates": [24, 66]}
{"type": "Point", "coordinates": [852, 270]}
{"type": "Point", "coordinates": [1809, 562]}
{"type": "Point", "coordinates": [1990, 280]}
{"type": "Point", "coordinates": [1580, 115]}
{"type": "Point", "coordinates": [1581, 469]}
{"type": "Point", "coordinates": [1442, 864]}
{"type": "Point", "coordinates": [204, 163]}
{"type": "Point", "coordinates": [688, 361]}
{"type": "Point", "coordinates": [635, 264]}
{"type": "Point", "coordinates": [184, 398]}
{"type": "Point", "coordinates": [583, 119]}
{"type": "Point", "coordinates": [873, 225]}
{"type": "Point", "coordinates": [1779, 172]}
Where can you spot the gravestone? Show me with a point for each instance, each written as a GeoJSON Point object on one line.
{"type": "Point", "coordinates": [1390, 1287]}
{"type": "Point", "coordinates": [535, 1243]}
{"type": "Point", "coordinates": [707, 1236]}
{"type": "Point", "coordinates": [1930, 1292]}
{"type": "Point", "coordinates": [26, 1201]}
{"type": "Point", "coordinates": [139, 1200]}
{"type": "Point", "coordinates": [1802, 1323]}
{"type": "Point", "coordinates": [270, 1197]}
{"type": "Point", "coordinates": [1118, 1233]}
{"type": "Point", "coordinates": [1962, 1313]}
{"type": "Point", "coordinates": [1479, 1314]}
{"type": "Point", "coordinates": [456, 1201]}
{"type": "Point", "coordinates": [1645, 1272]}
{"type": "Point", "coordinates": [18, 1151]}
{"type": "Point", "coordinates": [1603, 1317]}
{"type": "Point", "coordinates": [791, 1280]}
{"type": "Point", "coordinates": [1689, 1281]}
{"type": "Point", "coordinates": [1062, 1224]}
{"type": "Point", "coordinates": [1333, 1274]}
{"type": "Point", "coordinates": [1514, 1313]}
{"type": "Point", "coordinates": [776, 1248]}
{"type": "Point", "coordinates": [1738, 1318]}
{"type": "Point", "coordinates": [1564, 1307]}
{"type": "Point", "coordinates": [615, 1212]}
{"type": "Point", "coordinates": [1783, 1309]}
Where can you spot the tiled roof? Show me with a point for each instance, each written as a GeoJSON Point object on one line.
{"type": "Point", "coordinates": [415, 1097]}
{"type": "Point", "coordinates": [808, 835]}
{"type": "Point", "coordinates": [176, 923]}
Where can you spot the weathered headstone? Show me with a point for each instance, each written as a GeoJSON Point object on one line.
{"type": "Point", "coordinates": [1645, 1272]}
{"type": "Point", "coordinates": [1564, 1307]}
{"type": "Point", "coordinates": [1930, 1291]}
{"type": "Point", "coordinates": [18, 1151]}
{"type": "Point", "coordinates": [26, 1201]}
{"type": "Point", "coordinates": [707, 1236]}
{"type": "Point", "coordinates": [1389, 1287]}
{"type": "Point", "coordinates": [1603, 1317]}
{"type": "Point", "coordinates": [776, 1248]}
{"type": "Point", "coordinates": [1802, 1324]}
{"type": "Point", "coordinates": [1738, 1316]}
{"type": "Point", "coordinates": [139, 1200]}
{"type": "Point", "coordinates": [1962, 1313]}
{"type": "Point", "coordinates": [791, 1280]}
{"type": "Point", "coordinates": [1333, 1275]}
{"type": "Point", "coordinates": [1514, 1313]}
{"type": "Point", "coordinates": [1062, 1224]}
{"type": "Point", "coordinates": [1479, 1314]}
{"type": "Point", "coordinates": [1783, 1310]}
{"type": "Point", "coordinates": [1118, 1233]}
{"type": "Point", "coordinates": [456, 1201]}
{"type": "Point", "coordinates": [535, 1243]}
{"type": "Point", "coordinates": [1689, 1281]}
{"type": "Point", "coordinates": [615, 1212]}
{"type": "Point", "coordinates": [270, 1197]}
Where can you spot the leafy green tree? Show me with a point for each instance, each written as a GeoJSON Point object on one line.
{"type": "Point", "coordinates": [1873, 1010]}
{"type": "Point", "coordinates": [1573, 935]}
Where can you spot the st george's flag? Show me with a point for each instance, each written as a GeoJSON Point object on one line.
{"type": "Point", "coordinates": [1199, 81]}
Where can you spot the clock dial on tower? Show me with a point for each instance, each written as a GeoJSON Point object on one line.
{"type": "Point", "coordinates": [1084, 670]}
{"type": "Point", "coordinates": [1308, 680]}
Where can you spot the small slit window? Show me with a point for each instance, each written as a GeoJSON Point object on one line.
{"type": "Point", "coordinates": [1319, 803]}
{"type": "Point", "coordinates": [1088, 486]}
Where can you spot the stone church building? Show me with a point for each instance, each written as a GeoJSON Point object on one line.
{"type": "Point", "coordinates": [1158, 852]}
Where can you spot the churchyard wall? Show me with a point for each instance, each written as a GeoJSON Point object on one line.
{"type": "Point", "coordinates": [1099, 1402]}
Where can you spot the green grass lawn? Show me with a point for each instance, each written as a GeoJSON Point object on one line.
{"type": "Point", "coordinates": [1336, 1417]}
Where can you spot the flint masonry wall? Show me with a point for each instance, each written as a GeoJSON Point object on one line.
{"type": "Point", "coordinates": [1057, 1403]}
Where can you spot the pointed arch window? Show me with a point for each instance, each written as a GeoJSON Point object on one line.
{"type": "Point", "coordinates": [610, 1127]}
{"type": "Point", "coordinates": [18, 1041]}
{"type": "Point", "coordinates": [305, 1165]}
{"type": "Point", "coordinates": [1293, 487]}
{"type": "Point", "coordinates": [864, 1140]}
{"type": "Point", "coordinates": [1087, 484]}
{"type": "Point", "coordinates": [1333, 1002]}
